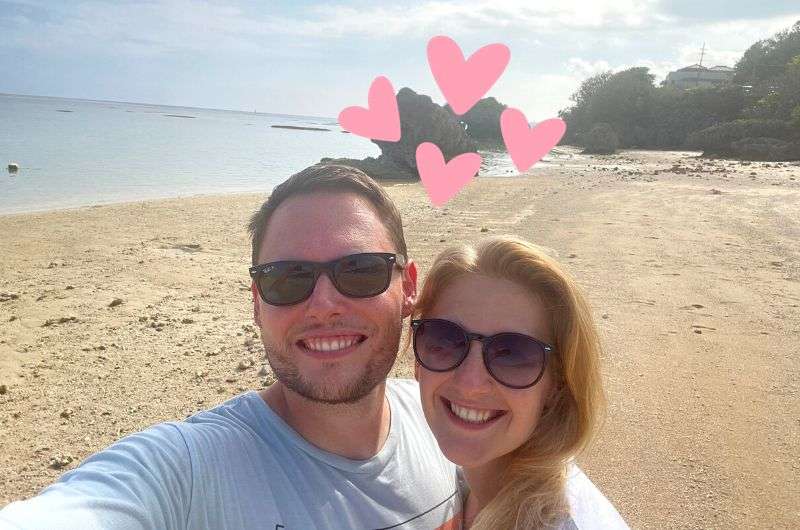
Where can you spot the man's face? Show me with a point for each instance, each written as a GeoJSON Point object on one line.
{"type": "Point", "coordinates": [329, 347]}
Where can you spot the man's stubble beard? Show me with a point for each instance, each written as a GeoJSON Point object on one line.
{"type": "Point", "coordinates": [374, 373]}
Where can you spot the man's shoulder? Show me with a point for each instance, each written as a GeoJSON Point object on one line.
{"type": "Point", "coordinates": [241, 417]}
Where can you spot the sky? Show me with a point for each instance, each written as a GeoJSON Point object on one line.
{"type": "Point", "coordinates": [315, 58]}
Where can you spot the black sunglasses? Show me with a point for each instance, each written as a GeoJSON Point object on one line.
{"type": "Point", "coordinates": [512, 359]}
{"type": "Point", "coordinates": [357, 276]}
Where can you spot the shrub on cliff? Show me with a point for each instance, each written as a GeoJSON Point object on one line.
{"type": "Point", "coordinates": [601, 140]}
{"type": "Point", "coordinates": [718, 138]}
{"type": "Point", "coordinates": [766, 149]}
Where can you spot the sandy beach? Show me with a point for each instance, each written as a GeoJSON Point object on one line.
{"type": "Point", "coordinates": [113, 318]}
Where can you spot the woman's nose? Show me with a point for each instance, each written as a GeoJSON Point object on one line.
{"type": "Point", "coordinates": [471, 373]}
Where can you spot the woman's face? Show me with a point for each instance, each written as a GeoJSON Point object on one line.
{"type": "Point", "coordinates": [487, 306]}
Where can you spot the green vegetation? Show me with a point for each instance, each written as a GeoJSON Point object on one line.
{"type": "Point", "coordinates": [762, 101]}
{"type": "Point", "coordinates": [601, 140]}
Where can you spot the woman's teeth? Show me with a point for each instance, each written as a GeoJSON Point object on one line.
{"type": "Point", "coordinates": [330, 343]}
{"type": "Point", "coordinates": [471, 415]}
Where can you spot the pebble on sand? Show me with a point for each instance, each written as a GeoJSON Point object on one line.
{"type": "Point", "coordinates": [62, 320]}
{"type": "Point", "coordinates": [59, 461]}
{"type": "Point", "coordinates": [115, 302]}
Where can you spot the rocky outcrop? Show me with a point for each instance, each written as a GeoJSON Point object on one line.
{"type": "Point", "coordinates": [421, 120]}
{"type": "Point", "coordinates": [381, 168]}
{"type": "Point", "coordinates": [483, 121]}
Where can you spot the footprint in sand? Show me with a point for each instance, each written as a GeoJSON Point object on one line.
{"type": "Point", "coordinates": [693, 306]}
{"type": "Point", "coordinates": [699, 329]}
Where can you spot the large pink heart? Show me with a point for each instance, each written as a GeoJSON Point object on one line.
{"type": "Point", "coordinates": [380, 120]}
{"type": "Point", "coordinates": [462, 82]}
{"type": "Point", "coordinates": [527, 146]}
{"type": "Point", "coordinates": [442, 181]}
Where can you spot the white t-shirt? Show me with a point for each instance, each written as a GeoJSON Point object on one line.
{"type": "Point", "coordinates": [240, 466]}
{"type": "Point", "coordinates": [588, 507]}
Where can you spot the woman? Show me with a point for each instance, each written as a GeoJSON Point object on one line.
{"type": "Point", "coordinates": [508, 365]}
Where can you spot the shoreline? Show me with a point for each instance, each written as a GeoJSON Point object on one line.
{"type": "Point", "coordinates": [685, 270]}
{"type": "Point", "coordinates": [156, 200]}
{"type": "Point", "coordinates": [499, 169]}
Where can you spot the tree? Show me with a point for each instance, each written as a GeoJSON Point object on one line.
{"type": "Point", "coordinates": [765, 60]}
{"type": "Point", "coordinates": [624, 101]}
{"type": "Point", "coordinates": [577, 117]}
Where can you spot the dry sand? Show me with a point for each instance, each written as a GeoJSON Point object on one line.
{"type": "Point", "coordinates": [691, 266]}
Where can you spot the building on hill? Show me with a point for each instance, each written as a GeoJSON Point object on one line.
{"type": "Point", "coordinates": [699, 76]}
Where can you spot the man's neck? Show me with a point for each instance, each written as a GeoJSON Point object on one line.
{"type": "Point", "coordinates": [352, 430]}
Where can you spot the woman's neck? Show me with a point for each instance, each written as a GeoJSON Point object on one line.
{"type": "Point", "coordinates": [484, 483]}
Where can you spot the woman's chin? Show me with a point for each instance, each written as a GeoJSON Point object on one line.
{"type": "Point", "coordinates": [465, 455]}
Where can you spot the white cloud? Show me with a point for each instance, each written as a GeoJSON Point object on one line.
{"type": "Point", "coordinates": [462, 16]}
{"type": "Point", "coordinates": [583, 68]}
{"type": "Point", "coordinates": [148, 27]}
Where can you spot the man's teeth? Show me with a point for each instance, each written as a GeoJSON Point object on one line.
{"type": "Point", "coordinates": [330, 344]}
{"type": "Point", "coordinates": [471, 415]}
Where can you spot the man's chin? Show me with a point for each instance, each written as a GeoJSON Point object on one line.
{"type": "Point", "coordinates": [332, 394]}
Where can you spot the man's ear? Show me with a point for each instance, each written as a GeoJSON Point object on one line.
{"type": "Point", "coordinates": [256, 300]}
{"type": "Point", "coordinates": [409, 287]}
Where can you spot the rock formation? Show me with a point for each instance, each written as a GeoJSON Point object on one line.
{"type": "Point", "coordinates": [421, 120]}
{"type": "Point", "coordinates": [483, 121]}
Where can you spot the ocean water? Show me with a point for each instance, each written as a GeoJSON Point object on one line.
{"type": "Point", "coordinates": [76, 153]}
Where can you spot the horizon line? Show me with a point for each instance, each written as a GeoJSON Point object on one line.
{"type": "Point", "coordinates": [168, 106]}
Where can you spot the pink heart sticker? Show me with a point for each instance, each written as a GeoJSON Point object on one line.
{"type": "Point", "coordinates": [380, 120]}
{"type": "Point", "coordinates": [462, 82]}
{"type": "Point", "coordinates": [527, 146]}
{"type": "Point", "coordinates": [442, 181]}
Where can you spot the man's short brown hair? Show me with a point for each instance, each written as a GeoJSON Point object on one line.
{"type": "Point", "coordinates": [331, 178]}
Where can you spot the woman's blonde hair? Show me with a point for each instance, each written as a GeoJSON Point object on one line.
{"type": "Point", "coordinates": [532, 495]}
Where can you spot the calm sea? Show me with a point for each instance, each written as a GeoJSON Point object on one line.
{"type": "Point", "coordinates": [76, 153]}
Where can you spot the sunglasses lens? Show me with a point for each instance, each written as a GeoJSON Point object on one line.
{"type": "Point", "coordinates": [362, 275]}
{"type": "Point", "coordinates": [515, 360]}
{"type": "Point", "coordinates": [286, 283]}
{"type": "Point", "coordinates": [439, 345]}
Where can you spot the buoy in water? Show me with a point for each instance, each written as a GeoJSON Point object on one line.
{"type": "Point", "coordinates": [13, 168]}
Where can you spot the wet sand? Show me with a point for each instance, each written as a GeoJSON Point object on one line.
{"type": "Point", "coordinates": [691, 267]}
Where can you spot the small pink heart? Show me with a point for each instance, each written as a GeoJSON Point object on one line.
{"type": "Point", "coordinates": [527, 146]}
{"type": "Point", "coordinates": [462, 82]}
{"type": "Point", "coordinates": [380, 120]}
{"type": "Point", "coordinates": [442, 181]}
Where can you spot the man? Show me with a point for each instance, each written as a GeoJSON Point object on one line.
{"type": "Point", "coordinates": [331, 444]}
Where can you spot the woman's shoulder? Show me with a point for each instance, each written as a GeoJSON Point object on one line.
{"type": "Point", "coordinates": [589, 508]}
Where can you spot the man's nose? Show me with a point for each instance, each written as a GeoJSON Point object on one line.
{"type": "Point", "coordinates": [325, 300]}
